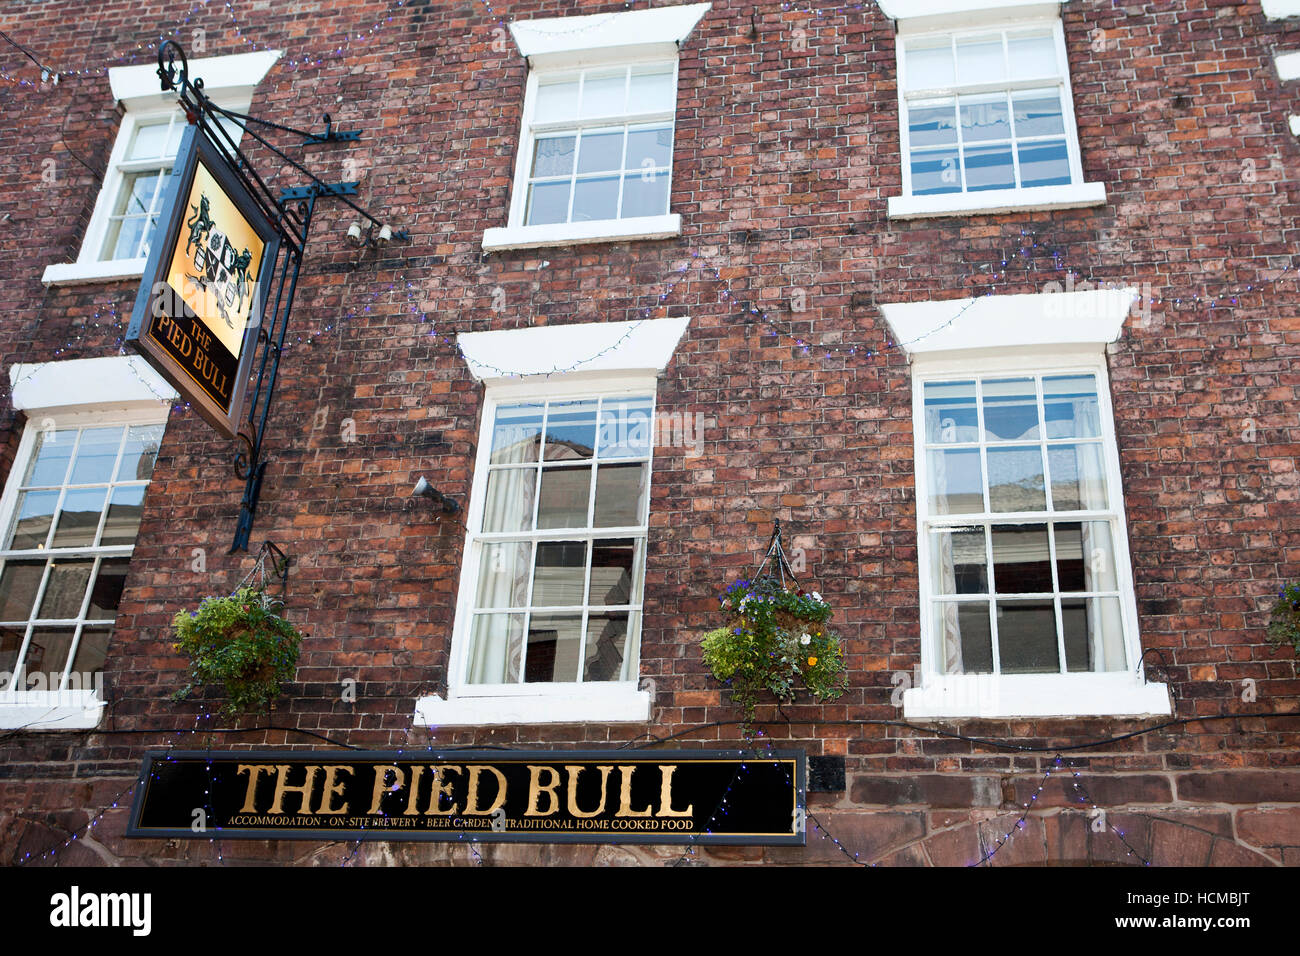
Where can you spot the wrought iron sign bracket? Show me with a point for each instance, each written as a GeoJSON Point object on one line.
{"type": "Point", "coordinates": [332, 135]}
{"type": "Point", "coordinates": [291, 213]}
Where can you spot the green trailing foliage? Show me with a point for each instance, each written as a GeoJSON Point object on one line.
{"type": "Point", "coordinates": [241, 643]}
{"type": "Point", "coordinates": [1284, 625]}
{"type": "Point", "coordinates": [776, 640]}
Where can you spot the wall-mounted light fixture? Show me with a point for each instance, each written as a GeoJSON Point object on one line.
{"type": "Point", "coordinates": [425, 490]}
{"type": "Point", "coordinates": [371, 237]}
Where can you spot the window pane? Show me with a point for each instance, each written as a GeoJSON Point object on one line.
{"type": "Point", "coordinates": [645, 194]}
{"type": "Point", "coordinates": [928, 64]}
{"type": "Point", "coordinates": [570, 431]}
{"type": "Point", "coordinates": [956, 485]}
{"type": "Point", "coordinates": [503, 575]}
{"type": "Point", "coordinates": [606, 646]}
{"type": "Point", "coordinates": [553, 156]}
{"type": "Point", "coordinates": [560, 573]}
{"type": "Point", "coordinates": [985, 117]}
{"type": "Point", "coordinates": [496, 642]}
{"type": "Point", "coordinates": [178, 130]}
{"type": "Point", "coordinates": [604, 95]}
{"type": "Point", "coordinates": [565, 497]}
{"type": "Point", "coordinates": [1021, 562]}
{"type": "Point", "coordinates": [92, 649]}
{"type": "Point", "coordinates": [510, 499]}
{"type": "Point", "coordinates": [595, 199]}
{"type": "Point", "coordinates": [124, 515]}
{"type": "Point", "coordinates": [19, 583]}
{"type": "Point", "coordinates": [1010, 409]}
{"type": "Point", "coordinates": [1016, 479]}
{"type": "Point", "coordinates": [517, 434]}
{"type": "Point", "coordinates": [556, 102]}
{"type": "Point", "coordinates": [106, 594]}
{"type": "Point", "coordinates": [1085, 556]}
{"type": "Point", "coordinates": [1078, 482]}
{"type": "Point", "coordinates": [958, 562]}
{"type": "Point", "coordinates": [653, 92]}
{"type": "Point", "coordinates": [1070, 404]}
{"type": "Point", "coordinates": [125, 237]}
{"type": "Point", "coordinates": [1032, 56]}
{"type": "Point", "coordinates": [35, 511]}
{"type": "Point", "coordinates": [620, 495]}
{"type": "Point", "coordinates": [1094, 634]}
{"type": "Point", "coordinates": [613, 563]}
{"type": "Point", "coordinates": [79, 518]}
{"type": "Point", "coordinates": [600, 152]}
{"type": "Point", "coordinates": [649, 148]}
{"type": "Point", "coordinates": [1038, 113]}
{"type": "Point", "coordinates": [626, 428]}
{"type": "Point", "coordinates": [142, 442]}
{"type": "Point", "coordinates": [935, 171]}
{"type": "Point", "coordinates": [950, 412]}
{"type": "Point", "coordinates": [548, 202]}
{"type": "Point", "coordinates": [932, 125]}
{"type": "Point", "coordinates": [96, 456]}
{"type": "Point", "coordinates": [1027, 637]}
{"type": "Point", "coordinates": [150, 141]}
{"type": "Point", "coordinates": [979, 60]}
{"type": "Point", "coordinates": [554, 646]}
{"type": "Point", "coordinates": [11, 642]}
{"type": "Point", "coordinates": [65, 590]}
{"type": "Point", "coordinates": [964, 637]}
{"type": "Point", "coordinates": [1044, 164]}
{"type": "Point", "coordinates": [48, 652]}
{"type": "Point", "coordinates": [137, 195]}
{"type": "Point", "coordinates": [50, 461]}
{"type": "Point", "coordinates": [989, 167]}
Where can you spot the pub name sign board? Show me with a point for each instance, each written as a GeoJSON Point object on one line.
{"type": "Point", "coordinates": [204, 289]}
{"type": "Point", "coordinates": [698, 797]}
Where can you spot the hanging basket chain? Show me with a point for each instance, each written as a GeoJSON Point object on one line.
{"type": "Point", "coordinates": [279, 568]}
{"type": "Point", "coordinates": [781, 572]}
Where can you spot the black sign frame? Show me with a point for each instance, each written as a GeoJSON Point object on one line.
{"type": "Point", "coordinates": [156, 299]}
{"type": "Point", "coordinates": [151, 784]}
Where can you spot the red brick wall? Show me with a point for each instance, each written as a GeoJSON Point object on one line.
{"type": "Point", "coordinates": [783, 161]}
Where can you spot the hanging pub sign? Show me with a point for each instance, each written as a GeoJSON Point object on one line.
{"type": "Point", "coordinates": [609, 796]}
{"type": "Point", "coordinates": [202, 296]}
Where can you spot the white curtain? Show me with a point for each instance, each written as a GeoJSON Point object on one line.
{"type": "Point", "coordinates": [1105, 625]}
{"type": "Point", "coordinates": [502, 580]}
{"type": "Point", "coordinates": [949, 637]}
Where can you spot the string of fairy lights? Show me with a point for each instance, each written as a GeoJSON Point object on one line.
{"type": "Point", "coordinates": [106, 316]}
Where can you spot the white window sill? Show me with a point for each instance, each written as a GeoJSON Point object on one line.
{"type": "Point", "coordinates": [997, 200]}
{"type": "Point", "coordinates": [609, 705]}
{"type": "Point", "coordinates": [50, 710]}
{"type": "Point", "coordinates": [1036, 695]}
{"type": "Point", "coordinates": [576, 233]}
{"type": "Point", "coordinates": [1281, 9]}
{"type": "Point", "coordinates": [80, 273]}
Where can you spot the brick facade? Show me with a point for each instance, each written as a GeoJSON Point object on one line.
{"type": "Point", "coordinates": [785, 154]}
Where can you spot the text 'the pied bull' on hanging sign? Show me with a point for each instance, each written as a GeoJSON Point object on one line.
{"type": "Point", "coordinates": [203, 293]}
{"type": "Point", "coordinates": [611, 796]}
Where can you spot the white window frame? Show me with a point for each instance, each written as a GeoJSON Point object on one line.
{"type": "Point", "coordinates": [550, 701]}
{"type": "Point", "coordinates": [990, 336]}
{"type": "Point", "coordinates": [635, 38]}
{"type": "Point", "coordinates": [1076, 193]}
{"type": "Point", "coordinates": [78, 708]}
{"type": "Point", "coordinates": [229, 80]}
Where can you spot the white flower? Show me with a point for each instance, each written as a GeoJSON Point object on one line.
{"type": "Point", "coordinates": [816, 596]}
{"type": "Point", "coordinates": [805, 638]}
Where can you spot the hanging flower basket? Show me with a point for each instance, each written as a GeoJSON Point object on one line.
{"type": "Point", "coordinates": [776, 639]}
{"type": "Point", "coordinates": [1284, 625]}
{"type": "Point", "coordinates": [241, 643]}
